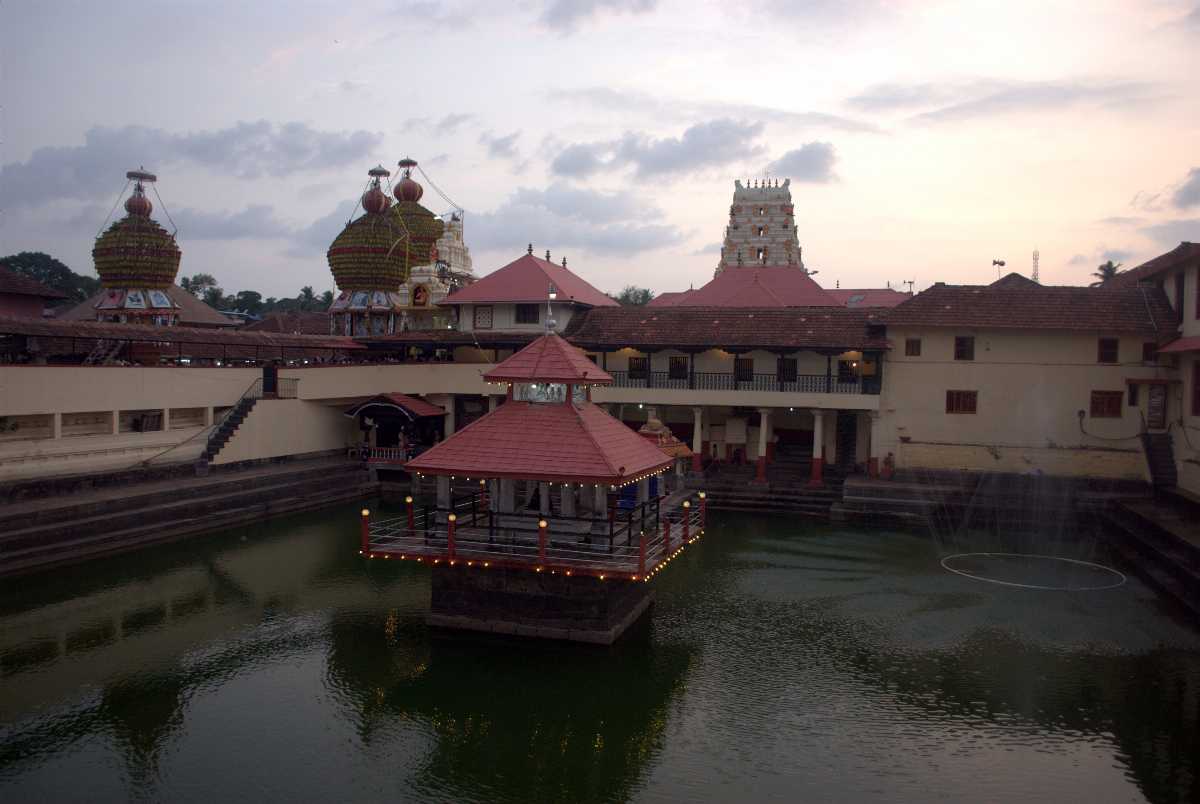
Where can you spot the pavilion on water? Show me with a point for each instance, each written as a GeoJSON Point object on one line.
{"type": "Point", "coordinates": [550, 515]}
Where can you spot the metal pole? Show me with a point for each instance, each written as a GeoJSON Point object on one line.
{"type": "Point", "coordinates": [666, 529]}
{"type": "Point", "coordinates": [642, 555]}
{"type": "Point", "coordinates": [408, 504]}
{"type": "Point", "coordinates": [366, 532]}
{"type": "Point", "coordinates": [703, 510]}
{"type": "Point", "coordinates": [687, 514]}
{"type": "Point", "coordinates": [451, 521]}
{"type": "Point", "coordinates": [542, 541]}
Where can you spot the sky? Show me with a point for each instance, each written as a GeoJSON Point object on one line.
{"type": "Point", "coordinates": [923, 140]}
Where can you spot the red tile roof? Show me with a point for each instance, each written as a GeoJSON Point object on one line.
{"type": "Point", "coordinates": [21, 285]}
{"type": "Point", "coordinates": [553, 442]}
{"type": "Point", "coordinates": [757, 286]}
{"type": "Point", "coordinates": [788, 328]}
{"type": "Point", "coordinates": [549, 359]}
{"type": "Point", "coordinates": [527, 279]}
{"type": "Point", "coordinates": [296, 323]}
{"type": "Point", "coordinates": [1184, 253]}
{"type": "Point", "coordinates": [1190, 344]}
{"type": "Point", "coordinates": [671, 298]}
{"type": "Point", "coordinates": [1037, 307]}
{"type": "Point", "coordinates": [192, 311]}
{"type": "Point", "coordinates": [868, 297]}
{"type": "Point", "coordinates": [416, 408]}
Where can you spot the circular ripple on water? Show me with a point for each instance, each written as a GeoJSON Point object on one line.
{"type": "Point", "coordinates": [1030, 571]}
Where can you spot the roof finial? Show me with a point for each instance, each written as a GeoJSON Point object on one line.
{"type": "Point", "coordinates": [564, 262]}
{"type": "Point", "coordinates": [530, 250]}
{"type": "Point", "coordinates": [547, 255]}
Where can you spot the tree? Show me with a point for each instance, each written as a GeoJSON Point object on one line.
{"type": "Point", "coordinates": [249, 301]}
{"type": "Point", "coordinates": [214, 297]}
{"type": "Point", "coordinates": [198, 285]}
{"type": "Point", "coordinates": [327, 299]}
{"type": "Point", "coordinates": [52, 273]}
{"type": "Point", "coordinates": [307, 299]}
{"type": "Point", "coordinates": [1105, 272]}
{"type": "Point", "coordinates": [632, 295]}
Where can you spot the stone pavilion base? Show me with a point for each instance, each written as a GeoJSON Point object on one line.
{"type": "Point", "coordinates": [523, 603]}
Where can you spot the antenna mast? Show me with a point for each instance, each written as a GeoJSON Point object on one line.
{"type": "Point", "coordinates": [1036, 256]}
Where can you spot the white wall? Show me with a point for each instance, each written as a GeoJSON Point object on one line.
{"type": "Point", "coordinates": [279, 427]}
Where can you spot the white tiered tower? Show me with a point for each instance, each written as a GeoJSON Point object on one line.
{"type": "Point", "coordinates": [762, 228]}
{"type": "Point", "coordinates": [428, 285]}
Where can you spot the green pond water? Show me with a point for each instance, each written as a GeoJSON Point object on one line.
{"type": "Point", "coordinates": [783, 660]}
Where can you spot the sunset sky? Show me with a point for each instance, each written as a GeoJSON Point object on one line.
{"type": "Point", "coordinates": [923, 140]}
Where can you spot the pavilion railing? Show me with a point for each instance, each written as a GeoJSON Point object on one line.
{"type": "Point", "coordinates": [616, 547]}
{"type": "Point", "coordinates": [728, 381]}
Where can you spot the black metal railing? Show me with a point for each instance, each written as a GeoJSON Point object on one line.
{"type": "Point", "coordinates": [728, 381]}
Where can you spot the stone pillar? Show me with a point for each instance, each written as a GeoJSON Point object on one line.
{"type": "Point", "coordinates": [544, 499]}
{"type": "Point", "coordinates": [443, 492]}
{"type": "Point", "coordinates": [56, 426]}
{"type": "Point", "coordinates": [764, 424]}
{"type": "Point", "coordinates": [600, 501]}
{"type": "Point", "coordinates": [643, 490]}
{"type": "Point", "coordinates": [208, 416]}
{"type": "Point", "coordinates": [568, 499]}
{"type": "Point", "coordinates": [116, 422]}
{"type": "Point", "coordinates": [818, 452]}
{"type": "Point", "coordinates": [449, 431]}
{"type": "Point", "coordinates": [697, 438]}
{"type": "Point", "coordinates": [876, 437]}
{"type": "Point", "coordinates": [166, 419]}
{"type": "Point", "coordinates": [493, 403]}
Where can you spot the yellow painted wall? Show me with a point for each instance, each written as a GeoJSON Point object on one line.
{"type": "Point", "coordinates": [279, 427]}
{"type": "Point", "coordinates": [62, 389]}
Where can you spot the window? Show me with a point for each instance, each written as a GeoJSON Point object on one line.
{"type": "Point", "coordinates": [1106, 404]}
{"type": "Point", "coordinates": [762, 230]}
{"type": "Point", "coordinates": [912, 347]}
{"type": "Point", "coordinates": [529, 313]}
{"type": "Point", "coordinates": [1107, 350]}
{"type": "Point", "coordinates": [1133, 394]}
{"type": "Point", "coordinates": [762, 210]}
{"type": "Point", "coordinates": [964, 348]}
{"type": "Point", "coordinates": [762, 255]}
{"type": "Point", "coordinates": [961, 401]}
{"type": "Point", "coordinates": [483, 317]}
{"type": "Point", "coordinates": [677, 367]}
{"type": "Point", "coordinates": [743, 369]}
{"type": "Point", "coordinates": [787, 369]}
{"type": "Point", "coordinates": [639, 368]}
{"type": "Point", "coordinates": [1196, 388]}
{"type": "Point", "coordinates": [1149, 352]}
{"type": "Point", "coordinates": [846, 371]}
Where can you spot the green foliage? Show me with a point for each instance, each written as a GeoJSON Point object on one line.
{"type": "Point", "coordinates": [54, 274]}
{"type": "Point", "coordinates": [198, 285]}
{"type": "Point", "coordinates": [632, 295]}
{"type": "Point", "coordinates": [1105, 272]}
{"type": "Point", "coordinates": [205, 287]}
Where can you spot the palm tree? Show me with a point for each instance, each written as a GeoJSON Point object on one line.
{"type": "Point", "coordinates": [1105, 272]}
{"type": "Point", "coordinates": [307, 298]}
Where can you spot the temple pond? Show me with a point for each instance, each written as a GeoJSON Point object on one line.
{"type": "Point", "coordinates": [782, 660]}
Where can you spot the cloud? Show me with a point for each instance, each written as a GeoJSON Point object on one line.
{"type": "Point", "coordinates": [318, 235]}
{"type": "Point", "coordinates": [1171, 233]}
{"type": "Point", "coordinates": [1079, 259]}
{"type": "Point", "coordinates": [952, 102]}
{"type": "Point", "coordinates": [682, 110]}
{"type": "Point", "coordinates": [443, 125]}
{"type": "Point", "coordinates": [501, 147]}
{"type": "Point", "coordinates": [714, 142]}
{"type": "Point", "coordinates": [562, 217]}
{"type": "Point", "coordinates": [1115, 254]}
{"type": "Point", "coordinates": [255, 221]}
{"type": "Point", "coordinates": [711, 248]}
{"type": "Point", "coordinates": [245, 150]}
{"type": "Point", "coordinates": [1100, 255]}
{"type": "Point", "coordinates": [565, 16]}
{"type": "Point", "coordinates": [811, 162]}
{"type": "Point", "coordinates": [1187, 194]}
{"type": "Point", "coordinates": [1120, 220]}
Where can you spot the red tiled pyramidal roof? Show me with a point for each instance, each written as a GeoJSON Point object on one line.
{"type": "Point", "coordinates": [554, 442]}
{"type": "Point", "coordinates": [527, 279]}
{"type": "Point", "coordinates": [1027, 305]}
{"type": "Point", "coordinates": [549, 359]}
{"type": "Point", "coordinates": [757, 286]}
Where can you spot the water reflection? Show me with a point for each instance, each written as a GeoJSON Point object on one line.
{"type": "Point", "coordinates": [781, 661]}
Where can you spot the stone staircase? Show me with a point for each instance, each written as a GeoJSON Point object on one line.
{"type": "Point", "coordinates": [42, 533]}
{"type": "Point", "coordinates": [221, 435]}
{"type": "Point", "coordinates": [1160, 540]}
{"type": "Point", "coordinates": [1160, 456]}
{"type": "Point", "coordinates": [732, 488]}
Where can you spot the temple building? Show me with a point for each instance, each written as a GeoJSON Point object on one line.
{"type": "Point", "coordinates": [137, 260]}
{"type": "Point", "coordinates": [762, 227]}
{"type": "Point", "coordinates": [24, 297]}
{"type": "Point", "coordinates": [375, 254]}
{"type": "Point", "coordinates": [428, 285]}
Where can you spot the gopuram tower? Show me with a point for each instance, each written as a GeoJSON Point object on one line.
{"type": "Point", "coordinates": [762, 227]}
